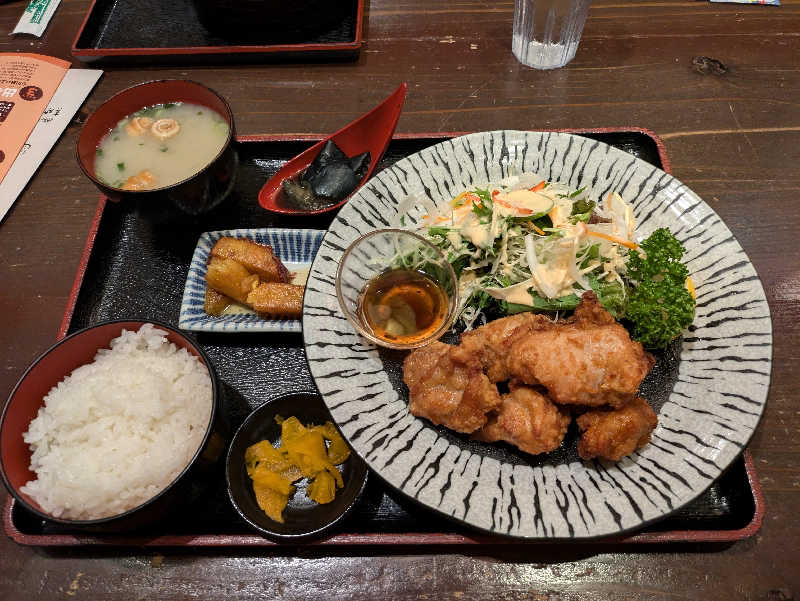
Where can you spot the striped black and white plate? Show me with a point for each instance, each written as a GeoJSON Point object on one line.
{"type": "Point", "coordinates": [709, 388]}
{"type": "Point", "coordinates": [295, 248]}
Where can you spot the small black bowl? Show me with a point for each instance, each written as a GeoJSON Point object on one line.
{"type": "Point", "coordinates": [195, 195]}
{"type": "Point", "coordinates": [303, 518]}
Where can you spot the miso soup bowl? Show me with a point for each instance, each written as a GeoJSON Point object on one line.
{"type": "Point", "coordinates": [198, 193]}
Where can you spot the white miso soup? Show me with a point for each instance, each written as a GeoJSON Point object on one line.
{"type": "Point", "coordinates": [160, 145]}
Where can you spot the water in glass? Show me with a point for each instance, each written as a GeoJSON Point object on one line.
{"type": "Point", "coordinates": [547, 32]}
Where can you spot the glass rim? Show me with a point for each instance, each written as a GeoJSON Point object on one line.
{"type": "Point", "coordinates": [453, 299]}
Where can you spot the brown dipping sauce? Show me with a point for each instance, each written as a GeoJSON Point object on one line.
{"type": "Point", "coordinates": [403, 306]}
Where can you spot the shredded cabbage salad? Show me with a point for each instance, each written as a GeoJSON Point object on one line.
{"type": "Point", "coordinates": [527, 244]}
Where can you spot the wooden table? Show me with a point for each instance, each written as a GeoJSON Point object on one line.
{"type": "Point", "coordinates": [733, 135]}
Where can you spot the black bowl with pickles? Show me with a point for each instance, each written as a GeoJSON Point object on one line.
{"type": "Point", "coordinates": [303, 518]}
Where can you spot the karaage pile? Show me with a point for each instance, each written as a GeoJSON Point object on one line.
{"type": "Point", "coordinates": [586, 364]}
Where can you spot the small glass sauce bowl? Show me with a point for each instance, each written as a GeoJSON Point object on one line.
{"type": "Point", "coordinates": [390, 279]}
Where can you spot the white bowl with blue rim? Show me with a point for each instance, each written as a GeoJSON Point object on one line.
{"type": "Point", "coordinates": [294, 247]}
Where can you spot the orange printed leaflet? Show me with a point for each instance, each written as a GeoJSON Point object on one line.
{"type": "Point", "coordinates": [27, 82]}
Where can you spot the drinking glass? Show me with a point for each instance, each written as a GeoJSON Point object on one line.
{"type": "Point", "coordinates": [547, 32]}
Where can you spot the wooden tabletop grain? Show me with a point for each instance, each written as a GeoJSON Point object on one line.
{"type": "Point", "coordinates": [732, 132]}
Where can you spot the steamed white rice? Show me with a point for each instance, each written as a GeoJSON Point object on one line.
{"type": "Point", "coordinates": [118, 430]}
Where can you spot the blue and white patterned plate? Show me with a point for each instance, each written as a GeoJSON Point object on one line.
{"type": "Point", "coordinates": [295, 248]}
{"type": "Point", "coordinates": [709, 390]}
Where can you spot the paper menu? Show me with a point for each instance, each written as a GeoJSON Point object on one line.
{"type": "Point", "coordinates": [27, 83]}
{"type": "Point", "coordinates": [74, 89]}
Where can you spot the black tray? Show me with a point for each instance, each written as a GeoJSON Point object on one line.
{"type": "Point", "coordinates": [173, 32]}
{"type": "Point", "coordinates": [137, 270]}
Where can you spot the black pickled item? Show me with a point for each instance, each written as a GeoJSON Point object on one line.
{"type": "Point", "coordinates": [138, 270]}
{"type": "Point", "coordinates": [329, 154]}
{"type": "Point", "coordinates": [331, 177]}
{"type": "Point", "coordinates": [334, 181]}
{"type": "Point", "coordinates": [359, 164]}
{"type": "Point", "coordinates": [303, 519]}
{"type": "Point", "coordinates": [334, 175]}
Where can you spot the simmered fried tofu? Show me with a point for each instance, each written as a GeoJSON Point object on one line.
{"type": "Point", "coordinates": [277, 300]}
{"type": "Point", "coordinates": [256, 258]}
{"type": "Point", "coordinates": [216, 302]}
{"type": "Point", "coordinates": [230, 278]}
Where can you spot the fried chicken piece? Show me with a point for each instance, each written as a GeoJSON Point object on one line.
{"type": "Point", "coordinates": [528, 420]}
{"type": "Point", "coordinates": [256, 258]}
{"type": "Point", "coordinates": [447, 391]}
{"type": "Point", "coordinates": [588, 359]}
{"type": "Point", "coordinates": [613, 434]}
{"type": "Point", "coordinates": [489, 343]}
{"type": "Point", "coordinates": [277, 300]}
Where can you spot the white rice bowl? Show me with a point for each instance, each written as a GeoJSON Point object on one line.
{"type": "Point", "coordinates": [117, 431]}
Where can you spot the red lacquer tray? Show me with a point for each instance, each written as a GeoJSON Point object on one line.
{"type": "Point", "coordinates": [174, 33]}
{"type": "Point", "coordinates": [732, 508]}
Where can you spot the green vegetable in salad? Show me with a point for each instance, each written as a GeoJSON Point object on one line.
{"type": "Point", "coordinates": [582, 210]}
{"type": "Point", "coordinates": [525, 244]}
{"type": "Point", "coordinates": [484, 207]}
{"type": "Point", "coordinates": [610, 294]}
{"type": "Point", "coordinates": [659, 305]}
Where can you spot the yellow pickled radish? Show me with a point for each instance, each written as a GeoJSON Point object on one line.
{"type": "Point", "coordinates": [303, 453]}
{"type": "Point", "coordinates": [322, 489]}
{"type": "Point", "coordinates": [271, 502]}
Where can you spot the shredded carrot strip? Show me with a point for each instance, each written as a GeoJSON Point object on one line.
{"type": "Point", "coordinates": [610, 238]}
{"type": "Point", "coordinates": [690, 287]}
{"type": "Point", "coordinates": [538, 186]}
